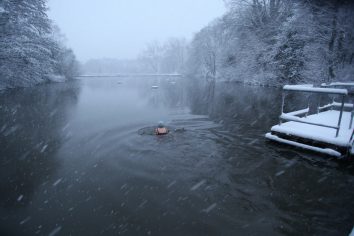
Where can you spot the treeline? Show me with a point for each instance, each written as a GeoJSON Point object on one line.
{"type": "Point", "coordinates": [156, 58]}
{"type": "Point", "coordinates": [110, 66]}
{"type": "Point", "coordinates": [31, 48]}
{"type": "Point", "coordinates": [277, 42]}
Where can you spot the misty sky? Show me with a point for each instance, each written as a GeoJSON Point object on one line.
{"type": "Point", "coordinates": [121, 28]}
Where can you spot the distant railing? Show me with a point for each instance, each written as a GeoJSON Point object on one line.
{"type": "Point", "coordinates": [294, 116]}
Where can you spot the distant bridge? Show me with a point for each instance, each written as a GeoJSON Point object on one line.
{"type": "Point", "coordinates": [130, 75]}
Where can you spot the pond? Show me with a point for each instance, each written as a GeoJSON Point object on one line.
{"type": "Point", "coordinates": [79, 159]}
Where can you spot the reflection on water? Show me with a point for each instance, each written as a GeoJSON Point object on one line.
{"type": "Point", "coordinates": [31, 122]}
{"type": "Point", "coordinates": [75, 162]}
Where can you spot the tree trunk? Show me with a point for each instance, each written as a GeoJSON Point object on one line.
{"type": "Point", "coordinates": [331, 60]}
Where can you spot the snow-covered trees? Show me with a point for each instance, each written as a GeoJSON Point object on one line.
{"type": "Point", "coordinates": [64, 61]}
{"type": "Point", "coordinates": [156, 58]}
{"type": "Point", "coordinates": [205, 51]}
{"type": "Point", "coordinates": [334, 22]}
{"type": "Point", "coordinates": [174, 55]}
{"type": "Point", "coordinates": [169, 57]}
{"type": "Point", "coordinates": [152, 56]}
{"type": "Point", "coordinates": [277, 41]}
{"type": "Point", "coordinates": [28, 52]}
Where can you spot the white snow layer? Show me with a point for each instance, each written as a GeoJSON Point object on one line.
{"type": "Point", "coordinates": [346, 105]}
{"type": "Point", "coordinates": [318, 133]}
{"type": "Point", "coordinates": [56, 78]}
{"type": "Point", "coordinates": [352, 233]}
{"type": "Point", "coordinates": [308, 88]}
{"type": "Point", "coordinates": [298, 112]}
{"type": "Point", "coordinates": [340, 84]}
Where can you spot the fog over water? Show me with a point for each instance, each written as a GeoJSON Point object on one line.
{"type": "Point", "coordinates": [121, 29]}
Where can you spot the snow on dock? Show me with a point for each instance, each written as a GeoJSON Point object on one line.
{"type": "Point", "coordinates": [310, 88]}
{"type": "Point", "coordinates": [338, 84]}
{"type": "Point", "coordinates": [352, 233]}
{"type": "Point", "coordinates": [316, 133]}
{"type": "Point", "coordinates": [329, 131]}
{"type": "Point", "coordinates": [319, 133]}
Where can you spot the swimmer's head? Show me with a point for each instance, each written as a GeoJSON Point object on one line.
{"type": "Point", "coordinates": [161, 125]}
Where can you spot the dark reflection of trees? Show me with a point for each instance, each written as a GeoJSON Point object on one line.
{"type": "Point", "coordinates": [173, 92]}
{"type": "Point", "coordinates": [198, 93]}
{"type": "Point", "coordinates": [210, 93]}
{"type": "Point", "coordinates": [231, 101]}
{"type": "Point", "coordinates": [246, 103]}
{"type": "Point", "coordinates": [31, 123]}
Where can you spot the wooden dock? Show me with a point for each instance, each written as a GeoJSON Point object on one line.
{"type": "Point", "coordinates": [328, 131]}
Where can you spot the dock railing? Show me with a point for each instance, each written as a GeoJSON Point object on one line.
{"type": "Point", "coordinates": [350, 87]}
{"type": "Point", "coordinates": [294, 116]}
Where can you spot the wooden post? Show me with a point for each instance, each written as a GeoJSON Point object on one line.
{"type": "Point", "coordinates": [332, 103]}
{"type": "Point", "coordinates": [352, 115]}
{"type": "Point", "coordinates": [340, 116]}
{"type": "Point", "coordinates": [282, 106]}
{"type": "Point", "coordinates": [308, 105]}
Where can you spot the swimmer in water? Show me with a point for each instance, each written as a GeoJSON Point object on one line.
{"type": "Point", "coordinates": [161, 129]}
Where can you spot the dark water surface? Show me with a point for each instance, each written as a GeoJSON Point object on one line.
{"type": "Point", "coordinates": [74, 161]}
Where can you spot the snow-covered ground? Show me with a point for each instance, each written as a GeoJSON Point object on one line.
{"type": "Point", "coordinates": [319, 133]}
{"type": "Point", "coordinates": [56, 78]}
